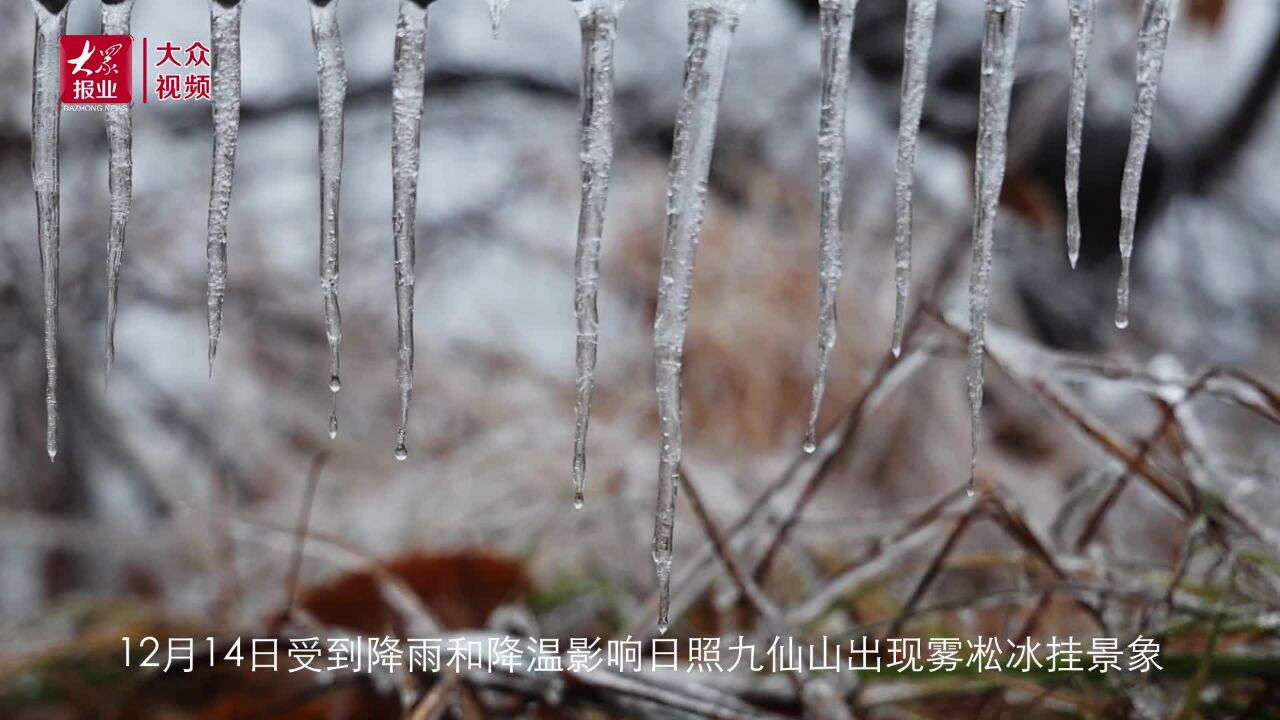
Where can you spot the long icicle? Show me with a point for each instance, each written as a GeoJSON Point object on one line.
{"type": "Point", "coordinates": [116, 16]}
{"type": "Point", "coordinates": [915, 74]}
{"type": "Point", "coordinates": [46, 117]}
{"type": "Point", "coordinates": [1083, 14]}
{"type": "Point", "coordinates": [331, 73]}
{"type": "Point", "coordinates": [1153, 37]}
{"type": "Point", "coordinates": [711, 27]}
{"type": "Point", "coordinates": [836, 29]}
{"type": "Point", "coordinates": [225, 90]}
{"type": "Point", "coordinates": [408, 83]}
{"type": "Point", "coordinates": [999, 46]}
{"type": "Point", "coordinates": [599, 21]}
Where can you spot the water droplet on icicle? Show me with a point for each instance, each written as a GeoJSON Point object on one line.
{"type": "Point", "coordinates": [331, 74]}
{"type": "Point", "coordinates": [999, 47]}
{"type": "Point", "coordinates": [711, 28]}
{"type": "Point", "coordinates": [835, 25]}
{"type": "Point", "coordinates": [1153, 37]}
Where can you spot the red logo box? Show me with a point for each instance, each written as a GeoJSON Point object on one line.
{"type": "Point", "coordinates": [97, 69]}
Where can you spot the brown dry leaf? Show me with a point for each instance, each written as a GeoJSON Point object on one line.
{"type": "Point", "coordinates": [460, 588]}
{"type": "Point", "coordinates": [263, 697]}
{"type": "Point", "coordinates": [1205, 13]}
{"type": "Point", "coordinates": [1021, 194]}
{"type": "Point", "coordinates": [1208, 13]}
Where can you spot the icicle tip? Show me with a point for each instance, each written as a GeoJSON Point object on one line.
{"type": "Point", "coordinates": [496, 8]}
{"type": "Point", "coordinates": [810, 443]}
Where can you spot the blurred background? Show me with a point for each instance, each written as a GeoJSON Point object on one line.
{"type": "Point", "coordinates": [172, 501]}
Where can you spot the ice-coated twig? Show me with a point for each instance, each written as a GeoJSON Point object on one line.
{"type": "Point", "coordinates": [331, 72]}
{"type": "Point", "coordinates": [225, 90]}
{"type": "Point", "coordinates": [999, 46]}
{"type": "Point", "coordinates": [1083, 14]}
{"type": "Point", "coordinates": [407, 90]}
{"type": "Point", "coordinates": [711, 27]}
{"type": "Point", "coordinates": [1153, 36]}
{"type": "Point", "coordinates": [835, 24]}
{"type": "Point", "coordinates": [46, 118]}
{"type": "Point", "coordinates": [599, 21]}
{"type": "Point", "coordinates": [116, 16]}
{"type": "Point", "coordinates": [915, 74]}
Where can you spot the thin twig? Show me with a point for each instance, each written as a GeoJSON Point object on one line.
{"type": "Point", "coordinates": [1168, 413]}
{"type": "Point", "coordinates": [300, 531]}
{"type": "Point", "coordinates": [760, 602]}
{"type": "Point", "coordinates": [935, 566]}
{"type": "Point", "coordinates": [887, 547]}
{"type": "Point", "coordinates": [1092, 431]}
{"type": "Point", "coordinates": [848, 435]}
{"type": "Point", "coordinates": [746, 584]}
{"type": "Point", "coordinates": [1016, 594]}
{"type": "Point", "coordinates": [1017, 528]}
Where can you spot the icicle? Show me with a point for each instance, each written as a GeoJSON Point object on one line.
{"type": "Point", "coordinates": [1153, 36]}
{"type": "Point", "coordinates": [225, 90]}
{"type": "Point", "coordinates": [599, 21]}
{"type": "Point", "coordinates": [711, 27]}
{"type": "Point", "coordinates": [999, 45]}
{"type": "Point", "coordinates": [115, 21]}
{"type": "Point", "coordinates": [496, 9]}
{"type": "Point", "coordinates": [46, 116]}
{"type": "Point", "coordinates": [1083, 14]}
{"type": "Point", "coordinates": [915, 74]}
{"type": "Point", "coordinates": [407, 86]}
{"type": "Point", "coordinates": [331, 71]}
{"type": "Point", "coordinates": [836, 28]}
